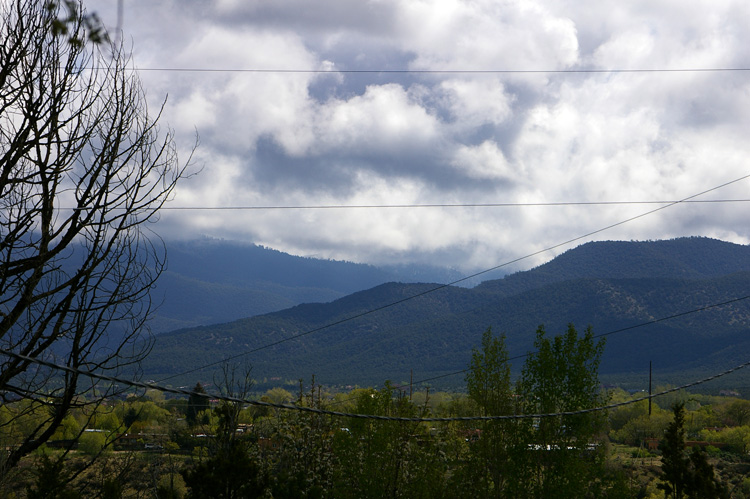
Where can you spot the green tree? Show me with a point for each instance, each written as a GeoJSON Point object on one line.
{"type": "Point", "coordinates": [67, 17]}
{"type": "Point", "coordinates": [304, 459]}
{"type": "Point", "coordinates": [92, 443]}
{"type": "Point", "coordinates": [488, 380]}
{"type": "Point", "coordinates": [197, 403]}
{"type": "Point", "coordinates": [737, 413]}
{"type": "Point", "coordinates": [68, 430]}
{"type": "Point", "coordinates": [494, 456]}
{"type": "Point", "coordinates": [675, 465]}
{"type": "Point", "coordinates": [52, 481]}
{"type": "Point", "coordinates": [386, 458]}
{"type": "Point", "coordinates": [684, 475]}
{"type": "Point", "coordinates": [703, 483]}
{"type": "Point", "coordinates": [232, 473]}
{"type": "Point", "coordinates": [565, 453]}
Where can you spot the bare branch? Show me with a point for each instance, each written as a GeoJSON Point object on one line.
{"type": "Point", "coordinates": [74, 283]}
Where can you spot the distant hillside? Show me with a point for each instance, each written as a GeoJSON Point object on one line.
{"type": "Point", "coordinates": [211, 281]}
{"type": "Point", "coordinates": [608, 285]}
{"type": "Point", "coordinates": [688, 258]}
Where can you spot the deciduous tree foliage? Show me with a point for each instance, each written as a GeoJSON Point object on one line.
{"type": "Point", "coordinates": [562, 375]}
{"type": "Point", "coordinates": [83, 169]}
{"type": "Point", "coordinates": [551, 456]}
{"type": "Point", "coordinates": [386, 458]}
{"type": "Point", "coordinates": [498, 450]}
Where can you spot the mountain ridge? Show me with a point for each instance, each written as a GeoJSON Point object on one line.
{"type": "Point", "coordinates": [434, 333]}
{"type": "Point", "coordinates": [213, 281]}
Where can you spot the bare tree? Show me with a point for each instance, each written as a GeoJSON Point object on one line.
{"type": "Point", "coordinates": [83, 169]}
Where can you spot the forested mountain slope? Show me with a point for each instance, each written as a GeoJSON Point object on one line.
{"type": "Point", "coordinates": [433, 334]}
{"type": "Point", "coordinates": [211, 281]}
{"type": "Point", "coordinates": [688, 258]}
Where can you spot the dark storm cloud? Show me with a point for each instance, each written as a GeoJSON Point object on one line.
{"type": "Point", "coordinates": [322, 17]}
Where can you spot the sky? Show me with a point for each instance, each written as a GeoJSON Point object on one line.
{"type": "Point", "coordinates": [447, 102]}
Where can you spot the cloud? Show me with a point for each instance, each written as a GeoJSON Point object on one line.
{"type": "Point", "coordinates": [449, 137]}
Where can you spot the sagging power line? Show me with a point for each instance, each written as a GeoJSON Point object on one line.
{"type": "Point", "coordinates": [179, 391]}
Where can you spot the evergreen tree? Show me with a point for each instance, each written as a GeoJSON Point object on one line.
{"type": "Point", "coordinates": [703, 484]}
{"type": "Point", "coordinates": [51, 481]}
{"type": "Point", "coordinates": [675, 465]}
{"type": "Point", "coordinates": [197, 402]}
{"type": "Point", "coordinates": [682, 475]}
{"type": "Point", "coordinates": [231, 473]}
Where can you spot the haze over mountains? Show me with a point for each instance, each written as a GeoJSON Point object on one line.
{"type": "Point", "coordinates": [392, 329]}
{"type": "Point", "coordinates": [210, 281]}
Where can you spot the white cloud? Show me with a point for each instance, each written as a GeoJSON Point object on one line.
{"type": "Point", "coordinates": [477, 102]}
{"type": "Point", "coordinates": [486, 34]}
{"type": "Point", "coordinates": [300, 138]}
{"type": "Point", "coordinates": [385, 119]}
{"type": "Point", "coordinates": [485, 161]}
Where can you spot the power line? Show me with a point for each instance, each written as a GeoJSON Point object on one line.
{"type": "Point", "coordinates": [621, 330]}
{"type": "Point", "coordinates": [628, 328]}
{"type": "Point", "coordinates": [440, 71]}
{"type": "Point", "coordinates": [179, 391]}
{"type": "Point", "coordinates": [440, 205]}
{"type": "Point", "coordinates": [443, 286]}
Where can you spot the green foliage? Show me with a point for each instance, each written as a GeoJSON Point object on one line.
{"type": "Point", "coordinates": [230, 474]}
{"type": "Point", "coordinates": [108, 421]}
{"type": "Point", "coordinates": [738, 437]}
{"type": "Point", "coordinates": [675, 468]}
{"type": "Point", "coordinates": [386, 458]}
{"type": "Point", "coordinates": [304, 461]}
{"type": "Point", "coordinates": [278, 396]}
{"type": "Point", "coordinates": [69, 19]}
{"type": "Point", "coordinates": [314, 456]}
{"type": "Point", "coordinates": [92, 442]}
{"type": "Point", "coordinates": [620, 416]}
{"type": "Point", "coordinates": [51, 481]}
{"type": "Point", "coordinates": [566, 455]}
{"type": "Point", "coordinates": [736, 413]}
{"type": "Point", "coordinates": [171, 486]}
{"type": "Point", "coordinates": [684, 475]}
{"type": "Point", "coordinates": [580, 289]}
{"type": "Point", "coordinates": [702, 484]}
{"type": "Point", "coordinates": [643, 426]}
{"type": "Point", "coordinates": [197, 403]}
{"type": "Point", "coordinates": [136, 415]}
{"type": "Point", "coordinates": [69, 429]}
{"type": "Point", "coordinates": [494, 457]}
{"type": "Point", "coordinates": [488, 380]}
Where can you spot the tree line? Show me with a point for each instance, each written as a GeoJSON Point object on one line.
{"type": "Point", "coordinates": [84, 167]}
{"type": "Point", "coordinates": [198, 448]}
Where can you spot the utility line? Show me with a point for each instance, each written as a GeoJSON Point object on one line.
{"type": "Point", "coordinates": [439, 71]}
{"type": "Point", "coordinates": [236, 400]}
{"type": "Point", "coordinates": [627, 328]}
{"type": "Point", "coordinates": [437, 205]}
{"type": "Point", "coordinates": [601, 335]}
{"type": "Point", "coordinates": [443, 286]}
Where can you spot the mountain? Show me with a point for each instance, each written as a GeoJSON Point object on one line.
{"type": "Point", "coordinates": [210, 281]}
{"type": "Point", "coordinates": [623, 290]}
